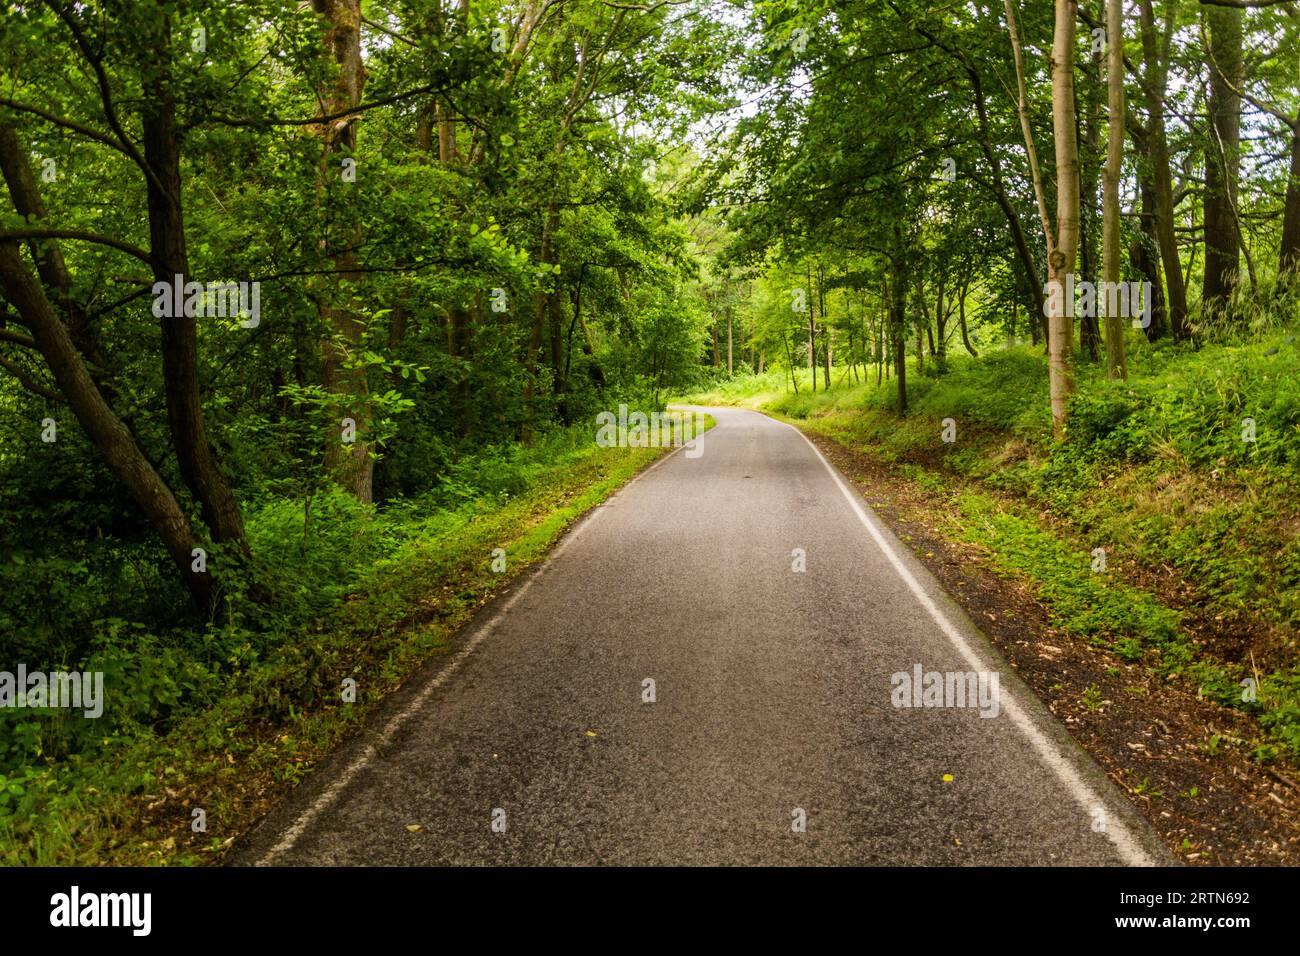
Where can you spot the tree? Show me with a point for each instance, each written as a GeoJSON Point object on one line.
{"type": "Point", "coordinates": [1116, 363]}
{"type": "Point", "coordinates": [348, 458]}
{"type": "Point", "coordinates": [1155, 81]}
{"type": "Point", "coordinates": [1222, 159]}
{"type": "Point", "coordinates": [1063, 240]}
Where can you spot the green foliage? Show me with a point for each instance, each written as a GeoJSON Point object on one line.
{"type": "Point", "coordinates": [1081, 601]}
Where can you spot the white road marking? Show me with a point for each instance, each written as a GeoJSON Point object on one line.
{"type": "Point", "coordinates": [1129, 847]}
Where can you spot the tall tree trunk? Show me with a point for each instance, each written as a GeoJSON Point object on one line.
{"type": "Point", "coordinates": [1061, 258]}
{"type": "Point", "coordinates": [459, 332]}
{"type": "Point", "coordinates": [555, 331]}
{"type": "Point", "coordinates": [961, 319]}
{"type": "Point", "coordinates": [440, 117]}
{"type": "Point", "coordinates": [730, 366]}
{"type": "Point", "coordinates": [350, 464]}
{"type": "Point", "coordinates": [1090, 173]}
{"type": "Point", "coordinates": [898, 328]}
{"type": "Point", "coordinates": [826, 329]}
{"type": "Point", "coordinates": [1031, 153]}
{"type": "Point", "coordinates": [170, 263]}
{"type": "Point", "coordinates": [1155, 55]}
{"type": "Point", "coordinates": [1116, 361]}
{"type": "Point", "coordinates": [880, 335]}
{"type": "Point", "coordinates": [541, 300]}
{"type": "Point", "coordinates": [1143, 256]}
{"type": "Point", "coordinates": [789, 359]}
{"type": "Point", "coordinates": [812, 334]}
{"type": "Point", "coordinates": [1063, 242]}
{"type": "Point", "coordinates": [942, 310]}
{"type": "Point", "coordinates": [1222, 158]}
{"type": "Point", "coordinates": [1289, 251]}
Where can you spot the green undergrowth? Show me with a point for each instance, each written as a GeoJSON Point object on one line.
{"type": "Point", "coordinates": [1085, 600]}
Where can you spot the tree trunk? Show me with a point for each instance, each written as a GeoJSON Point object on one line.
{"type": "Point", "coordinates": [458, 348]}
{"type": "Point", "coordinates": [961, 319]}
{"type": "Point", "coordinates": [1060, 366]}
{"type": "Point", "coordinates": [789, 358]}
{"type": "Point", "coordinates": [812, 335]}
{"type": "Point", "coordinates": [555, 331]}
{"type": "Point", "coordinates": [1116, 361]}
{"type": "Point", "coordinates": [826, 329]}
{"type": "Point", "coordinates": [350, 464]}
{"type": "Point", "coordinates": [730, 367]}
{"type": "Point", "coordinates": [898, 330]}
{"type": "Point", "coordinates": [1289, 251]}
{"type": "Point", "coordinates": [1142, 254]}
{"type": "Point", "coordinates": [880, 337]}
{"type": "Point", "coordinates": [180, 350]}
{"type": "Point", "coordinates": [545, 255]}
{"type": "Point", "coordinates": [1090, 173]}
{"type": "Point", "coordinates": [1222, 158]}
{"type": "Point", "coordinates": [1155, 78]}
{"type": "Point", "coordinates": [1061, 258]}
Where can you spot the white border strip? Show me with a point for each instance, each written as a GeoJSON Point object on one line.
{"type": "Point", "coordinates": [1129, 847]}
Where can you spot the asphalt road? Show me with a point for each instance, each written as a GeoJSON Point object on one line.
{"type": "Point", "coordinates": [774, 702]}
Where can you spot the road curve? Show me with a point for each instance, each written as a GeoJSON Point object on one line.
{"type": "Point", "coordinates": [773, 703]}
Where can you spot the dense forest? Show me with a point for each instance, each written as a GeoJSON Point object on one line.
{"type": "Point", "coordinates": [307, 310]}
